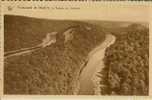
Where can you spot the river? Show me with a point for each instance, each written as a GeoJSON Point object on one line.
{"type": "Point", "coordinates": [89, 82]}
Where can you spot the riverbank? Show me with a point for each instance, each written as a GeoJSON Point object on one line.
{"type": "Point", "coordinates": [96, 79]}
{"type": "Point", "coordinates": [88, 78]}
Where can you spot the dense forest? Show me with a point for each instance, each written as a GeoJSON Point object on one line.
{"type": "Point", "coordinates": [53, 69]}
{"type": "Point", "coordinates": [126, 70]}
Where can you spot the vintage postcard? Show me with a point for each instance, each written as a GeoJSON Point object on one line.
{"type": "Point", "coordinates": [76, 48]}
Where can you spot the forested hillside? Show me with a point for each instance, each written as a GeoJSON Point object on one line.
{"type": "Point", "coordinates": [126, 69]}
{"type": "Point", "coordinates": [51, 70]}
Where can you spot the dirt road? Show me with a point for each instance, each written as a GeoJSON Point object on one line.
{"type": "Point", "coordinates": [48, 40]}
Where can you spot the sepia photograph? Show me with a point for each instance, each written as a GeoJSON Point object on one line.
{"type": "Point", "coordinates": [75, 57]}
{"type": "Point", "coordinates": [76, 50]}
